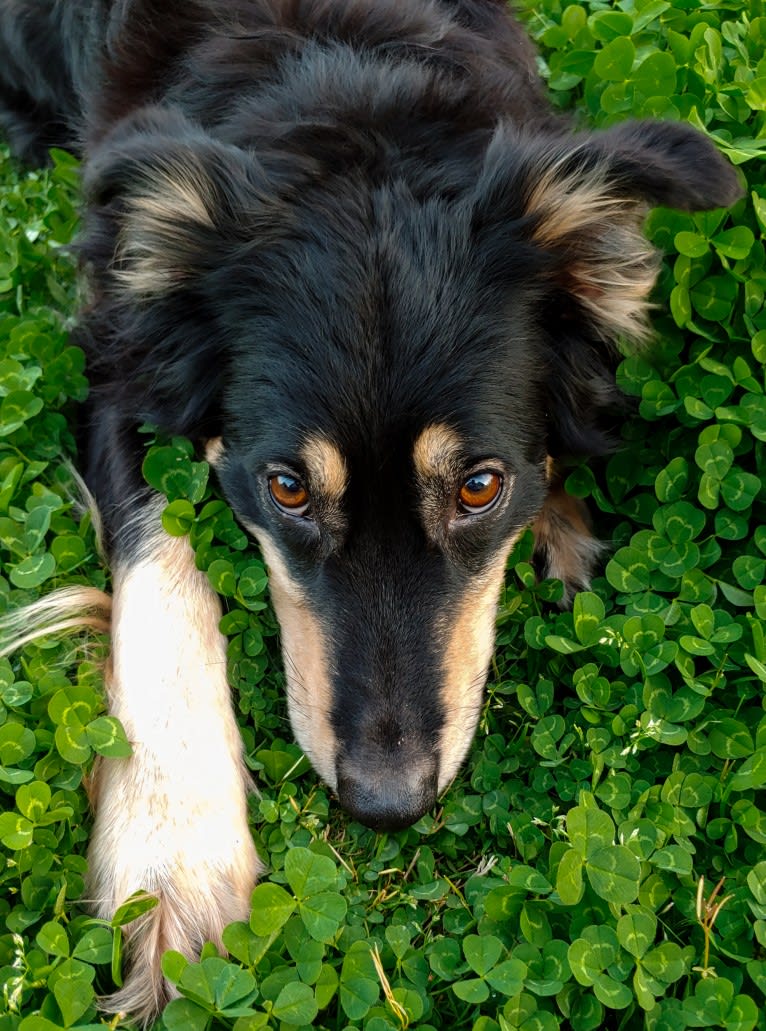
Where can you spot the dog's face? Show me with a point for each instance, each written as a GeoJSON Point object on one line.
{"type": "Point", "coordinates": [387, 355]}
{"type": "Point", "coordinates": [384, 440]}
{"type": "Point", "coordinates": [385, 574]}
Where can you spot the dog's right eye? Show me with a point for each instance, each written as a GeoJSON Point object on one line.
{"type": "Point", "coordinates": [289, 494]}
{"type": "Point", "coordinates": [480, 492]}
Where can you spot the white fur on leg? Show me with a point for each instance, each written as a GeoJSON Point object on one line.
{"type": "Point", "coordinates": [172, 818]}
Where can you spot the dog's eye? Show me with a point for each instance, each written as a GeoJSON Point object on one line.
{"type": "Point", "coordinates": [480, 492]}
{"type": "Point", "coordinates": [289, 494]}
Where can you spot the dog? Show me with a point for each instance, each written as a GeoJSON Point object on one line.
{"type": "Point", "coordinates": [349, 249]}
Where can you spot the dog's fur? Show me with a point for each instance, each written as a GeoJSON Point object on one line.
{"type": "Point", "coordinates": [348, 248]}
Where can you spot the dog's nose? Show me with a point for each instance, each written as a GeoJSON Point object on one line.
{"type": "Point", "coordinates": [388, 800]}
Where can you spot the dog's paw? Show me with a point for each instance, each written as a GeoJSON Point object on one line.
{"type": "Point", "coordinates": [191, 850]}
{"type": "Point", "coordinates": [565, 549]}
{"type": "Point", "coordinates": [186, 841]}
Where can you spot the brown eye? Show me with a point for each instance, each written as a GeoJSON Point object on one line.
{"type": "Point", "coordinates": [289, 494]}
{"type": "Point", "coordinates": [480, 492]}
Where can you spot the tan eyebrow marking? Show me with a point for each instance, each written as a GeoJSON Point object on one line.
{"type": "Point", "coordinates": [436, 452]}
{"type": "Point", "coordinates": [326, 466]}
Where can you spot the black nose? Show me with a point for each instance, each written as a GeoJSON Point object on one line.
{"type": "Point", "coordinates": [385, 800]}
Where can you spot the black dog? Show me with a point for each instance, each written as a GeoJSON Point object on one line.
{"type": "Point", "coordinates": [348, 249]}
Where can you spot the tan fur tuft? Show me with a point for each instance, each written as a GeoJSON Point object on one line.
{"type": "Point", "coordinates": [84, 502]}
{"type": "Point", "coordinates": [214, 451]}
{"type": "Point", "coordinates": [564, 540]}
{"type": "Point", "coordinates": [69, 608]}
{"type": "Point", "coordinates": [156, 252]}
{"type": "Point", "coordinates": [610, 266]}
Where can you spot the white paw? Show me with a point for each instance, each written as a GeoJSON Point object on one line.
{"type": "Point", "coordinates": [187, 844]}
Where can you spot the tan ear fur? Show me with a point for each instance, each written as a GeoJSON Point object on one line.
{"type": "Point", "coordinates": [607, 264]}
{"type": "Point", "coordinates": [159, 240]}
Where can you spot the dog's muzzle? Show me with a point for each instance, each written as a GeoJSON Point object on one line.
{"type": "Point", "coordinates": [389, 797]}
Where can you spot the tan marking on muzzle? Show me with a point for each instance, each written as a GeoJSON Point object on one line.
{"type": "Point", "coordinates": [469, 642]}
{"type": "Point", "coordinates": [309, 691]}
{"type": "Point", "coordinates": [327, 469]}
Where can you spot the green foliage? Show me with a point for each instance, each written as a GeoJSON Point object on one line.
{"type": "Point", "coordinates": [621, 756]}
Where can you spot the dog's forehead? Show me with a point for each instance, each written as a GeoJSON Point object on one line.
{"type": "Point", "coordinates": [379, 326]}
{"type": "Point", "coordinates": [427, 415]}
{"type": "Point", "coordinates": [436, 452]}
{"type": "Point", "coordinates": [436, 458]}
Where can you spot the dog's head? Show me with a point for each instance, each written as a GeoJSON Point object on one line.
{"type": "Point", "coordinates": [387, 363]}
{"type": "Point", "coordinates": [383, 440]}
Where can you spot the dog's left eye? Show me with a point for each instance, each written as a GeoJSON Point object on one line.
{"type": "Point", "coordinates": [480, 492]}
{"type": "Point", "coordinates": [289, 494]}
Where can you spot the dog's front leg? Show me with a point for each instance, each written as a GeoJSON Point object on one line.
{"type": "Point", "coordinates": [172, 818]}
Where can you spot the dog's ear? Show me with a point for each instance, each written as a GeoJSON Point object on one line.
{"type": "Point", "coordinates": [165, 201]}
{"type": "Point", "coordinates": [669, 163]}
{"type": "Point", "coordinates": [170, 212]}
{"type": "Point", "coordinates": [563, 216]}
{"type": "Point", "coordinates": [580, 201]}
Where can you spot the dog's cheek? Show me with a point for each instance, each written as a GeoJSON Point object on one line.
{"type": "Point", "coordinates": [309, 690]}
{"type": "Point", "coordinates": [468, 644]}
